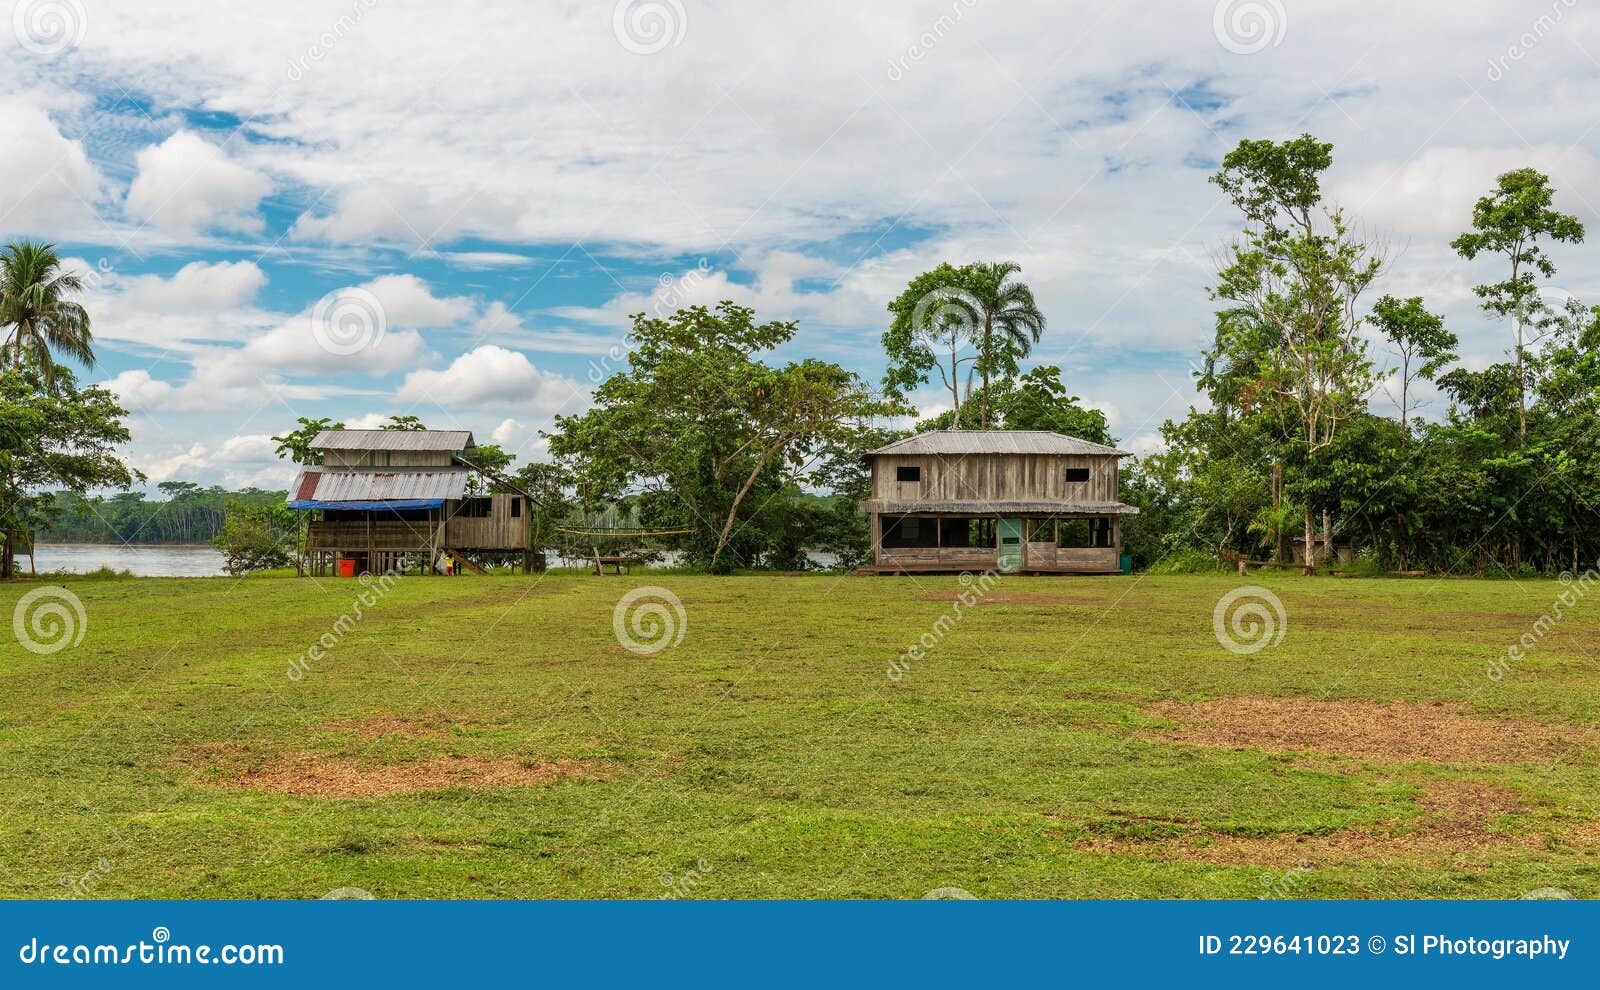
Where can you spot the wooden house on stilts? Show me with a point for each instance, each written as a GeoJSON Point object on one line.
{"type": "Point", "coordinates": [392, 500]}
{"type": "Point", "coordinates": [1008, 500]}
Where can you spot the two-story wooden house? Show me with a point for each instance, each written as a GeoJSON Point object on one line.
{"type": "Point", "coordinates": [1009, 500]}
{"type": "Point", "coordinates": [383, 499]}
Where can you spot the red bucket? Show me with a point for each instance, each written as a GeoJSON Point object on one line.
{"type": "Point", "coordinates": [347, 567]}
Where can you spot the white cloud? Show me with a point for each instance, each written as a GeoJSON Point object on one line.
{"type": "Point", "coordinates": [1432, 194]}
{"type": "Point", "coordinates": [492, 375]}
{"type": "Point", "coordinates": [198, 287]}
{"type": "Point", "coordinates": [408, 302]}
{"type": "Point", "coordinates": [187, 184]}
{"type": "Point", "coordinates": [384, 339]}
{"type": "Point", "coordinates": [137, 392]}
{"type": "Point", "coordinates": [202, 303]}
{"type": "Point", "coordinates": [47, 184]}
{"type": "Point", "coordinates": [241, 460]}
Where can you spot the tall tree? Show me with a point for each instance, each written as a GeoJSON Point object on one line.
{"type": "Point", "coordinates": [1008, 322]}
{"type": "Point", "coordinates": [1509, 222]}
{"type": "Point", "coordinates": [1301, 269]}
{"type": "Point", "coordinates": [698, 422]}
{"type": "Point", "coordinates": [1419, 339]}
{"type": "Point", "coordinates": [932, 322]}
{"type": "Point", "coordinates": [34, 304]}
{"type": "Point", "coordinates": [52, 437]}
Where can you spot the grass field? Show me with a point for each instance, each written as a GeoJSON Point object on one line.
{"type": "Point", "coordinates": [1089, 737]}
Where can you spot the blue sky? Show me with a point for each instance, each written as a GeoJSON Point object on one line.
{"type": "Point", "coordinates": [483, 194]}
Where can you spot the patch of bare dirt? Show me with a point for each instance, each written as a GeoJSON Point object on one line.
{"type": "Point", "coordinates": [1457, 821]}
{"type": "Point", "coordinates": [428, 726]}
{"type": "Point", "coordinates": [309, 774]}
{"type": "Point", "coordinates": [1400, 731]}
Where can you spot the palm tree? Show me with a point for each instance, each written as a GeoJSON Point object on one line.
{"type": "Point", "coordinates": [33, 304]}
{"type": "Point", "coordinates": [1008, 317]}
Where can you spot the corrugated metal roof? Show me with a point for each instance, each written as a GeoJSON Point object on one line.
{"type": "Point", "coordinates": [451, 440]}
{"type": "Point", "coordinates": [959, 442]}
{"type": "Point", "coordinates": [1056, 507]}
{"type": "Point", "coordinates": [378, 486]}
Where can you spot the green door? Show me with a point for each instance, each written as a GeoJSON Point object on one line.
{"type": "Point", "coordinates": [1010, 545]}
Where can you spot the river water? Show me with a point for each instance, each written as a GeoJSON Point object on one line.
{"type": "Point", "coordinates": [143, 561]}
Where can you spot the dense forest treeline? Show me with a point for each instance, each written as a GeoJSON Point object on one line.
{"type": "Point", "coordinates": [188, 514]}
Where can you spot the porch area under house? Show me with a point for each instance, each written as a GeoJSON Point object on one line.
{"type": "Point", "coordinates": [1042, 543]}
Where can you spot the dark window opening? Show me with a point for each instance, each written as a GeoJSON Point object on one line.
{"type": "Point", "coordinates": [474, 508]}
{"type": "Point", "coordinates": [1041, 530]}
{"type": "Point", "coordinates": [909, 532]}
{"type": "Point", "coordinates": [904, 473]}
{"type": "Point", "coordinates": [516, 508]}
{"type": "Point", "coordinates": [1077, 474]}
{"type": "Point", "coordinates": [1084, 534]}
{"type": "Point", "coordinates": [967, 532]}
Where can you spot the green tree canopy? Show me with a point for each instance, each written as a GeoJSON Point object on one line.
{"type": "Point", "coordinates": [705, 429]}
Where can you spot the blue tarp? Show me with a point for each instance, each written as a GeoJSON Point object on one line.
{"type": "Point", "coordinates": [397, 503]}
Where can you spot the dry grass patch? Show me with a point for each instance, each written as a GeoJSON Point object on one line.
{"type": "Point", "coordinates": [308, 774]}
{"type": "Point", "coordinates": [1029, 598]}
{"type": "Point", "coordinates": [383, 726]}
{"type": "Point", "coordinates": [1397, 732]}
{"type": "Point", "coordinates": [1457, 820]}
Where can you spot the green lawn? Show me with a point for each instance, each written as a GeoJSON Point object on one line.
{"type": "Point", "coordinates": [769, 754]}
